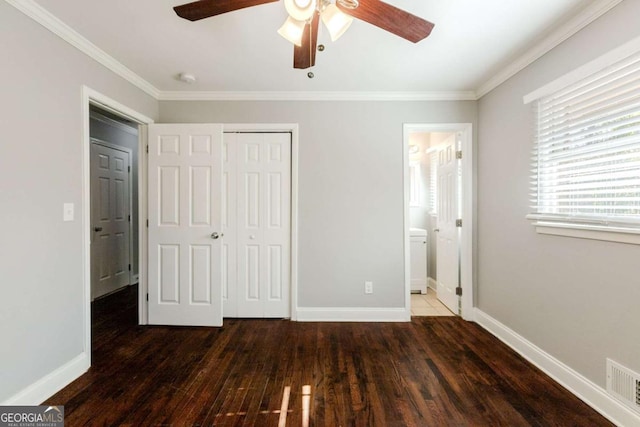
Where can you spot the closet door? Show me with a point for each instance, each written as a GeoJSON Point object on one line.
{"type": "Point", "coordinates": [260, 229]}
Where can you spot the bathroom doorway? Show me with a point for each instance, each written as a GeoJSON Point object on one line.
{"type": "Point", "coordinates": [438, 219]}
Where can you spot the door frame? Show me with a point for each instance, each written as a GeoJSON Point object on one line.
{"type": "Point", "coordinates": [92, 97]}
{"type": "Point", "coordinates": [468, 193]}
{"type": "Point", "coordinates": [129, 153]}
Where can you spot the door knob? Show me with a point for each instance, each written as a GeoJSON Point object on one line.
{"type": "Point", "coordinates": [97, 229]}
{"type": "Point", "coordinates": [216, 235]}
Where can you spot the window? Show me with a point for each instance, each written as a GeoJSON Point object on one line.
{"type": "Point", "coordinates": [433, 183]}
{"type": "Point", "coordinates": [586, 160]}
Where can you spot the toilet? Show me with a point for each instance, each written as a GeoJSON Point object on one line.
{"type": "Point", "coordinates": [418, 260]}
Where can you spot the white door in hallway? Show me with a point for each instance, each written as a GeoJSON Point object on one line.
{"type": "Point", "coordinates": [185, 224]}
{"type": "Point", "coordinates": [447, 245]}
{"type": "Point", "coordinates": [257, 224]}
{"type": "Point", "coordinates": [110, 219]}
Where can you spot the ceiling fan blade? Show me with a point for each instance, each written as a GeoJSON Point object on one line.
{"type": "Point", "coordinates": [390, 18]}
{"type": "Point", "coordinates": [305, 56]}
{"type": "Point", "coordinates": [205, 8]}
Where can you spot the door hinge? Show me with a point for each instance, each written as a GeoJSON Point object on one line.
{"type": "Point", "coordinates": [147, 296]}
{"type": "Point", "coordinates": [147, 223]}
{"type": "Point", "coordinates": [129, 267]}
{"type": "Point", "coordinates": [147, 149]}
{"type": "Point", "coordinates": [459, 291]}
{"type": "Point", "coordinates": [129, 218]}
{"type": "Point", "coordinates": [458, 223]}
{"type": "Point", "coordinates": [129, 169]}
{"type": "Point", "coordinates": [459, 154]}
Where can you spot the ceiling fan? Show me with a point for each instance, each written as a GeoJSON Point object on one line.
{"type": "Point", "coordinates": [301, 27]}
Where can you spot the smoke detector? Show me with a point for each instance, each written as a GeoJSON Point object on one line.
{"type": "Point", "coordinates": [187, 78]}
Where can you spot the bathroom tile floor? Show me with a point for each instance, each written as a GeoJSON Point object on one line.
{"type": "Point", "coordinates": [428, 305]}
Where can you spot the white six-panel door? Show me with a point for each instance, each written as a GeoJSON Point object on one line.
{"type": "Point", "coordinates": [110, 226]}
{"type": "Point", "coordinates": [257, 224]}
{"type": "Point", "coordinates": [185, 213]}
{"type": "Point", "coordinates": [447, 248]}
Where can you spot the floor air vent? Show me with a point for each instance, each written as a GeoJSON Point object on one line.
{"type": "Point", "coordinates": [623, 384]}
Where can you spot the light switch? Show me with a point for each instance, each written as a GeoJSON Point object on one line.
{"type": "Point", "coordinates": [67, 210]}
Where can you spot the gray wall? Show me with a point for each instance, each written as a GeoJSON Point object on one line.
{"type": "Point", "coordinates": [350, 188]}
{"type": "Point", "coordinates": [105, 130]}
{"type": "Point", "coordinates": [41, 283]}
{"type": "Point", "coordinates": [576, 299]}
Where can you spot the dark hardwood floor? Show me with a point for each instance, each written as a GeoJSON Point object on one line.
{"type": "Point", "coordinates": [434, 371]}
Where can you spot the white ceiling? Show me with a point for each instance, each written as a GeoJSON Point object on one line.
{"type": "Point", "coordinates": [241, 51]}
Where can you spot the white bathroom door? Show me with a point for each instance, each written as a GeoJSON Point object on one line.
{"type": "Point", "coordinates": [185, 224]}
{"type": "Point", "coordinates": [110, 220]}
{"type": "Point", "coordinates": [257, 224]}
{"type": "Point", "coordinates": [447, 246]}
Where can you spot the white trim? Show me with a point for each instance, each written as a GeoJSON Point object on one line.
{"type": "Point", "coordinates": [39, 14]}
{"type": "Point", "coordinates": [85, 150]}
{"type": "Point", "coordinates": [294, 221]}
{"type": "Point", "coordinates": [293, 128]}
{"type": "Point", "coordinates": [468, 186]}
{"type": "Point", "coordinates": [571, 27]}
{"type": "Point", "coordinates": [406, 200]}
{"type": "Point", "coordinates": [90, 96]}
{"type": "Point", "coordinates": [598, 64]}
{"type": "Point", "coordinates": [68, 34]}
{"type": "Point", "coordinates": [584, 231]}
{"type": "Point", "coordinates": [583, 388]}
{"type": "Point", "coordinates": [316, 96]}
{"type": "Point", "coordinates": [113, 106]}
{"type": "Point", "coordinates": [51, 383]}
{"type": "Point", "coordinates": [353, 314]}
{"type": "Point", "coordinates": [143, 214]}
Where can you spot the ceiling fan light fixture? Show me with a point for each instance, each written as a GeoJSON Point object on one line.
{"type": "Point", "coordinates": [336, 22]}
{"type": "Point", "coordinates": [292, 30]}
{"type": "Point", "coordinates": [300, 10]}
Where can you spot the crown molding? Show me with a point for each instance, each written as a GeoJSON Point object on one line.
{"type": "Point", "coordinates": [68, 34]}
{"type": "Point", "coordinates": [56, 26]}
{"type": "Point", "coordinates": [36, 12]}
{"type": "Point", "coordinates": [559, 35]}
{"type": "Point", "coordinates": [316, 96]}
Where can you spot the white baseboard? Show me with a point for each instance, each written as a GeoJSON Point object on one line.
{"type": "Point", "coordinates": [51, 383]}
{"type": "Point", "coordinates": [586, 390]}
{"type": "Point", "coordinates": [352, 314]}
{"type": "Point", "coordinates": [432, 284]}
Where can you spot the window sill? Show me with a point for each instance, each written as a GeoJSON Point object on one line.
{"type": "Point", "coordinates": [593, 232]}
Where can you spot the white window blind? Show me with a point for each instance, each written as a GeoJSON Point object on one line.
{"type": "Point", "coordinates": [433, 182]}
{"type": "Point", "coordinates": [586, 160]}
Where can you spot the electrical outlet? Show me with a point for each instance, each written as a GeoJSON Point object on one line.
{"type": "Point", "coordinates": [368, 287]}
